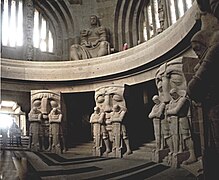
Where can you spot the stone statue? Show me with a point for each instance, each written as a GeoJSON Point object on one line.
{"type": "Point", "coordinates": [35, 118]}
{"type": "Point", "coordinates": [161, 130]}
{"type": "Point", "coordinates": [174, 74]}
{"type": "Point", "coordinates": [94, 42]}
{"type": "Point", "coordinates": [45, 101]}
{"type": "Point", "coordinates": [100, 133]}
{"type": "Point", "coordinates": [157, 114]}
{"type": "Point", "coordinates": [210, 6]}
{"type": "Point", "coordinates": [119, 130]}
{"type": "Point", "coordinates": [177, 113]}
{"type": "Point", "coordinates": [106, 98]}
{"type": "Point", "coordinates": [203, 87]}
{"type": "Point", "coordinates": [55, 131]}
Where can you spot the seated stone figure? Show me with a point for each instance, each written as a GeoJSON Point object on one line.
{"type": "Point", "coordinates": [93, 42]}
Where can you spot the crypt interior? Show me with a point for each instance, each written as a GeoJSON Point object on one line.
{"type": "Point", "coordinates": [82, 82]}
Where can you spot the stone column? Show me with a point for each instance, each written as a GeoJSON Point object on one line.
{"type": "Point", "coordinates": [176, 74]}
{"type": "Point", "coordinates": [111, 103]}
{"type": "Point", "coordinates": [43, 102]}
{"type": "Point", "coordinates": [28, 28]}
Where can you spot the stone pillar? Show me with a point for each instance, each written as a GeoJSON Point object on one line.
{"type": "Point", "coordinates": [112, 109]}
{"type": "Point", "coordinates": [43, 127]}
{"type": "Point", "coordinates": [29, 24]}
{"type": "Point", "coordinates": [178, 136]}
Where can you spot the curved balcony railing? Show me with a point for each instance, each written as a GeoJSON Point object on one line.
{"type": "Point", "coordinates": [132, 66]}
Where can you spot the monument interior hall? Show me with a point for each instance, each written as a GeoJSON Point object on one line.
{"type": "Point", "coordinates": [109, 89]}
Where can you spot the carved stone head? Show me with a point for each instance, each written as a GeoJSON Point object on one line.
{"type": "Point", "coordinates": [174, 74]}
{"type": "Point", "coordinates": [108, 96]}
{"type": "Point", "coordinates": [156, 99]}
{"type": "Point", "coordinates": [94, 21]}
{"type": "Point", "coordinates": [45, 101]}
{"type": "Point", "coordinates": [170, 75]}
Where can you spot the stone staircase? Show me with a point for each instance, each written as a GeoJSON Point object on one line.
{"type": "Point", "coordinates": [24, 142]}
{"type": "Point", "coordinates": [78, 163]}
{"type": "Point", "coordinates": [81, 148]}
{"type": "Point", "coordinates": [144, 152]}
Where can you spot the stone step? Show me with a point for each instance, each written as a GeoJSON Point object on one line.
{"type": "Point", "coordinates": [146, 148]}
{"type": "Point", "coordinates": [139, 155]}
{"type": "Point", "coordinates": [84, 145]}
{"type": "Point", "coordinates": [82, 148]}
{"type": "Point", "coordinates": [143, 172]}
{"type": "Point", "coordinates": [144, 151]}
{"type": "Point", "coordinates": [24, 142]}
{"type": "Point", "coordinates": [151, 144]}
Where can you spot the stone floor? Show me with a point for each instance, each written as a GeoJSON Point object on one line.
{"type": "Point", "coordinates": [76, 164]}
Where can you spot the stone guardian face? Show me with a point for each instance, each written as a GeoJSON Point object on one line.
{"type": "Point", "coordinates": [108, 96]}
{"type": "Point", "coordinates": [170, 75]}
{"type": "Point", "coordinates": [45, 101]}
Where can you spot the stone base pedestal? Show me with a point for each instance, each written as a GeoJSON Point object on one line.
{"type": "Point", "coordinates": [158, 155]}
{"type": "Point", "coordinates": [175, 160]}
{"type": "Point", "coordinates": [178, 158]}
{"type": "Point", "coordinates": [56, 149]}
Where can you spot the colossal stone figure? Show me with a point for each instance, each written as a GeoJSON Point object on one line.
{"type": "Point", "coordinates": [161, 129]}
{"type": "Point", "coordinates": [35, 117]}
{"type": "Point", "coordinates": [56, 141]}
{"type": "Point", "coordinates": [174, 74]}
{"type": "Point", "coordinates": [106, 98]}
{"type": "Point", "coordinates": [119, 130]}
{"type": "Point", "coordinates": [94, 42]}
{"type": "Point", "coordinates": [44, 101]}
{"type": "Point", "coordinates": [203, 87]}
{"type": "Point", "coordinates": [177, 113]}
{"type": "Point", "coordinates": [100, 133]}
{"type": "Point", "coordinates": [157, 114]}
